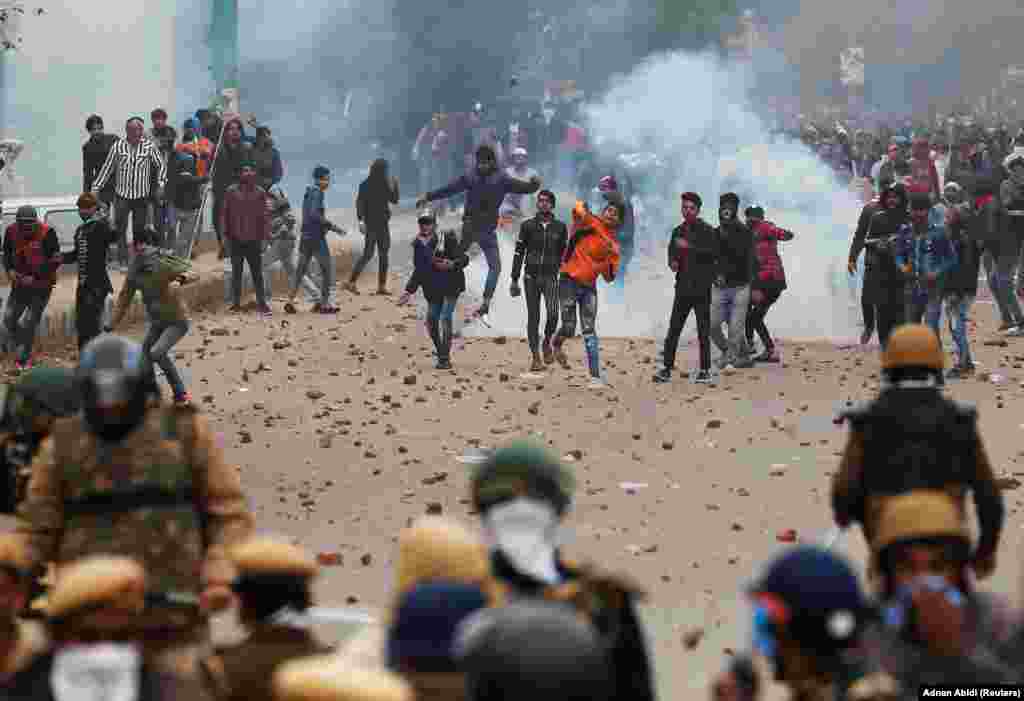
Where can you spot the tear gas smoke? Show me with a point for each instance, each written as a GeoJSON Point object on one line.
{"type": "Point", "coordinates": [691, 114]}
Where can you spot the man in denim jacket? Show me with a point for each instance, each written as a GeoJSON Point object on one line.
{"type": "Point", "coordinates": [924, 254]}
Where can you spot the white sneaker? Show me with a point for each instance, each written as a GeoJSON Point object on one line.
{"type": "Point", "coordinates": [1016, 331]}
{"type": "Point", "coordinates": [597, 383]}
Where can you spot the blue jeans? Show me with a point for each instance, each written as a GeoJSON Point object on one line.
{"type": "Point", "coordinates": [308, 249]}
{"type": "Point", "coordinates": [957, 308]}
{"type": "Point", "coordinates": [160, 338]}
{"type": "Point", "coordinates": [571, 295]}
{"type": "Point", "coordinates": [439, 322]}
{"type": "Point", "coordinates": [489, 245]}
{"type": "Point", "coordinates": [922, 304]}
{"type": "Point", "coordinates": [729, 305]}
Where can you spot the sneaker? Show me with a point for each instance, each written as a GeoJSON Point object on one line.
{"type": "Point", "coordinates": [235, 309]}
{"type": "Point", "coordinates": [383, 292]}
{"type": "Point", "coordinates": [562, 358]}
{"type": "Point", "coordinates": [597, 383]}
{"type": "Point", "coordinates": [549, 355]}
{"type": "Point", "coordinates": [767, 356]}
{"type": "Point", "coordinates": [742, 364]}
{"type": "Point", "coordinates": [1005, 327]}
{"type": "Point", "coordinates": [328, 309]}
{"type": "Point", "coordinates": [703, 377]}
{"type": "Point", "coordinates": [443, 364]}
{"type": "Point", "coordinates": [265, 310]}
{"type": "Point", "coordinates": [1016, 332]}
{"type": "Point", "coordinates": [537, 365]}
{"type": "Point", "coordinates": [183, 399]}
{"type": "Point", "coordinates": [350, 287]}
{"type": "Point", "coordinates": [663, 375]}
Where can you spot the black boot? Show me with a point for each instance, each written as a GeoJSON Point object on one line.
{"type": "Point", "coordinates": [445, 349]}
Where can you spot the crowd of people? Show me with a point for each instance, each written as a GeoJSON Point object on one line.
{"type": "Point", "coordinates": [133, 533]}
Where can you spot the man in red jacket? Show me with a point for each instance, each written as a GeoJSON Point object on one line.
{"type": "Point", "coordinates": [31, 254]}
{"type": "Point", "coordinates": [245, 225]}
{"type": "Point", "coordinates": [769, 279]}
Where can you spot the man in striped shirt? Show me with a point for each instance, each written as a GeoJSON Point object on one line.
{"type": "Point", "coordinates": [130, 163]}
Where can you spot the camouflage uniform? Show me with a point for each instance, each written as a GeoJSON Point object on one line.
{"type": "Point", "coordinates": [163, 495]}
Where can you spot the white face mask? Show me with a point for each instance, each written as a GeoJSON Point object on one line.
{"type": "Point", "coordinates": [102, 672]}
{"type": "Point", "coordinates": [526, 531]}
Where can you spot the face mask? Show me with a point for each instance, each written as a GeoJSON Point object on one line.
{"type": "Point", "coordinates": [898, 613]}
{"type": "Point", "coordinates": [248, 178]}
{"type": "Point", "coordinates": [103, 672]}
{"type": "Point", "coordinates": [526, 531]}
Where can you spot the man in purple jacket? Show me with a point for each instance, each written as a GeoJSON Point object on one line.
{"type": "Point", "coordinates": [485, 191]}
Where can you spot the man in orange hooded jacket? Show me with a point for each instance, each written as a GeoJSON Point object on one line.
{"type": "Point", "coordinates": [593, 252]}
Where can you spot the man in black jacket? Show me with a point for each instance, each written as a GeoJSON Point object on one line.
{"type": "Point", "coordinates": [730, 297]}
{"type": "Point", "coordinates": [94, 155]}
{"type": "Point", "coordinates": [693, 254]}
{"type": "Point", "coordinates": [541, 243]}
{"type": "Point", "coordinates": [185, 188]}
{"type": "Point", "coordinates": [883, 280]}
{"type": "Point", "coordinates": [92, 242]}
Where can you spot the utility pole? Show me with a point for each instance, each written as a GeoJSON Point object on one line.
{"type": "Point", "coordinates": [224, 54]}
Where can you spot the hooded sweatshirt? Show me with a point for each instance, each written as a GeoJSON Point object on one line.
{"type": "Point", "coordinates": [593, 250]}
{"type": "Point", "coordinates": [924, 177]}
{"type": "Point", "coordinates": [484, 195]}
{"type": "Point", "coordinates": [1011, 193]}
{"type": "Point", "coordinates": [737, 261]}
{"type": "Point", "coordinates": [375, 194]}
{"type": "Point", "coordinates": [438, 284]}
{"type": "Point", "coordinates": [148, 274]}
{"type": "Point", "coordinates": [766, 252]}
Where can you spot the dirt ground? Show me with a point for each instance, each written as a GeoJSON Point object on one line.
{"type": "Point", "coordinates": [343, 432]}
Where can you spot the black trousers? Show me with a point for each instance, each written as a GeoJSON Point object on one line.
{"type": "Point", "coordinates": [682, 305]}
{"type": "Point", "coordinates": [758, 311]}
{"type": "Point", "coordinates": [534, 288]}
{"type": "Point", "coordinates": [890, 314]}
{"type": "Point", "coordinates": [378, 237]}
{"type": "Point", "coordinates": [250, 252]}
{"type": "Point", "coordinates": [139, 211]}
{"type": "Point", "coordinates": [89, 305]}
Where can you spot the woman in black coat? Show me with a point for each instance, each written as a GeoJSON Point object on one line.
{"type": "Point", "coordinates": [373, 212]}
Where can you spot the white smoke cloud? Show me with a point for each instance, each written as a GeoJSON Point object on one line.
{"type": "Point", "coordinates": [692, 112]}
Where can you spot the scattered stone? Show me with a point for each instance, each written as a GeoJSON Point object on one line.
{"type": "Point", "coordinates": [436, 478]}
{"type": "Point", "coordinates": [1007, 483]}
{"type": "Point", "coordinates": [692, 638]}
{"type": "Point", "coordinates": [667, 445]}
{"type": "Point", "coordinates": [714, 423]}
{"type": "Point", "coordinates": [409, 380]}
{"type": "Point", "coordinates": [737, 527]}
{"type": "Point", "coordinates": [435, 508]}
{"type": "Point", "coordinates": [534, 408]}
{"type": "Point", "coordinates": [330, 559]}
{"type": "Point", "coordinates": [281, 345]}
{"type": "Point", "coordinates": [500, 340]}
{"type": "Point", "coordinates": [245, 436]}
{"type": "Point", "coordinates": [326, 440]}
{"type": "Point", "coordinates": [786, 536]}
{"type": "Point", "coordinates": [220, 331]}
{"type": "Point", "coordinates": [314, 394]}
{"type": "Point", "coordinates": [366, 559]}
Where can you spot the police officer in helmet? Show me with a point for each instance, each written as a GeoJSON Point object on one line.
{"type": "Point", "coordinates": [135, 478]}
{"type": "Point", "coordinates": [911, 437]}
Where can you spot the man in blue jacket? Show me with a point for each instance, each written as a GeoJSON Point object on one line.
{"type": "Point", "coordinates": [925, 254]}
{"type": "Point", "coordinates": [485, 190]}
